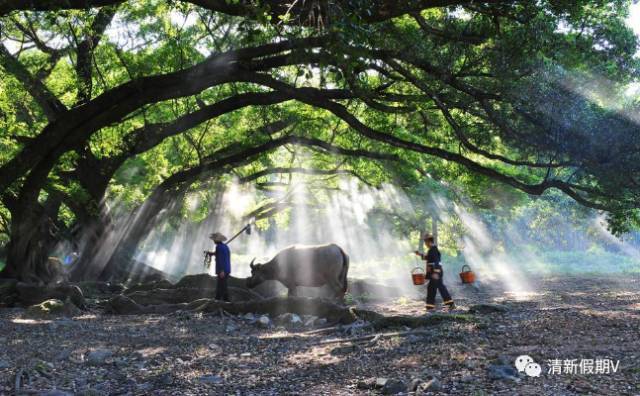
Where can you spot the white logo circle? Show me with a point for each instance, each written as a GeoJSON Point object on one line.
{"type": "Point", "coordinates": [533, 370]}
{"type": "Point", "coordinates": [522, 361]}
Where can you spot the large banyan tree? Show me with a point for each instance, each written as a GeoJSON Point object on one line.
{"type": "Point", "coordinates": [158, 97]}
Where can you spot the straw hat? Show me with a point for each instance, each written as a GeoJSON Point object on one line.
{"type": "Point", "coordinates": [217, 237]}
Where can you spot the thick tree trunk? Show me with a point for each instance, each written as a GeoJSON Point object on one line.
{"type": "Point", "coordinates": [33, 238]}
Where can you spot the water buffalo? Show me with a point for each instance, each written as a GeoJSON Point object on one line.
{"type": "Point", "coordinates": [311, 266]}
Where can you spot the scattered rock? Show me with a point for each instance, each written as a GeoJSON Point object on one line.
{"type": "Point", "coordinates": [215, 349]}
{"type": "Point", "coordinates": [487, 308]}
{"type": "Point", "coordinates": [502, 372]}
{"type": "Point", "coordinates": [288, 320]}
{"type": "Point", "coordinates": [414, 384]}
{"type": "Point", "coordinates": [380, 382]}
{"type": "Point", "coordinates": [98, 356]}
{"type": "Point", "coordinates": [53, 307]}
{"type": "Point", "coordinates": [310, 321]}
{"type": "Point", "coordinates": [249, 316]}
{"type": "Point", "coordinates": [393, 387]}
{"type": "Point", "coordinates": [64, 354]}
{"type": "Point", "coordinates": [211, 379]}
{"type": "Point", "coordinates": [369, 383]}
{"type": "Point", "coordinates": [433, 385]}
{"type": "Point", "coordinates": [296, 320]}
{"type": "Point", "coordinates": [163, 378]}
{"type": "Point", "coordinates": [264, 321]}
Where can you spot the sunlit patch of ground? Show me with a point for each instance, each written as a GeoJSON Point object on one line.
{"type": "Point", "coordinates": [566, 318]}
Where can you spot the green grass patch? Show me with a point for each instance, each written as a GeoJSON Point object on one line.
{"type": "Point", "coordinates": [585, 262]}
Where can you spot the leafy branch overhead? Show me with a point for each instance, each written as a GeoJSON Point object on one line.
{"type": "Point", "coordinates": [104, 96]}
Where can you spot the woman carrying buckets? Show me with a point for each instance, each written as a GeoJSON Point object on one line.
{"type": "Point", "coordinates": [434, 274]}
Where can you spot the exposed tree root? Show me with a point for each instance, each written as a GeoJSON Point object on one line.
{"type": "Point", "coordinates": [372, 338]}
{"type": "Point", "coordinates": [30, 294]}
{"type": "Point", "coordinates": [273, 306]}
{"type": "Point", "coordinates": [379, 322]}
{"type": "Point", "coordinates": [279, 305]}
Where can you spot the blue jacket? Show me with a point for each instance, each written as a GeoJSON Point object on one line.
{"type": "Point", "coordinates": [223, 258]}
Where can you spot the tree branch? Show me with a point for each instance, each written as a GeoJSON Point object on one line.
{"type": "Point", "coordinates": [85, 48]}
{"type": "Point", "coordinates": [75, 126]}
{"type": "Point", "coordinates": [50, 105]}
{"type": "Point", "coordinates": [343, 113]}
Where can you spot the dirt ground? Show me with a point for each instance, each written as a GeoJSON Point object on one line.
{"type": "Point", "coordinates": [194, 354]}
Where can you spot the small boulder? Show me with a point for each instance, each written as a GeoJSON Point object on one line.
{"type": "Point", "coordinates": [165, 378]}
{"type": "Point", "coordinates": [249, 316]}
{"type": "Point", "coordinates": [310, 320]}
{"type": "Point", "coordinates": [98, 357]}
{"type": "Point", "coordinates": [393, 387]}
{"type": "Point", "coordinates": [296, 320]}
{"type": "Point", "coordinates": [264, 321]}
{"type": "Point", "coordinates": [433, 385]}
{"type": "Point", "coordinates": [369, 383]}
{"type": "Point", "coordinates": [288, 320]}
{"type": "Point", "coordinates": [53, 307]}
{"type": "Point", "coordinates": [47, 307]}
{"type": "Point", "coordinates": [414, 384]}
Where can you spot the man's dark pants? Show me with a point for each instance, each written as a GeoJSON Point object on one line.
{"type": "Point", "coordinates": [434, 286]}
{"type": "Point", "coordinates": [222, 291]}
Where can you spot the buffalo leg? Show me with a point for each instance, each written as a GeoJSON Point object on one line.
{"type": "Point", "coordinates": [337, 289]}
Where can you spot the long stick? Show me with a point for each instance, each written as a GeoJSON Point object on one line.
{"type": "Point", "coordinates": [239, 232]}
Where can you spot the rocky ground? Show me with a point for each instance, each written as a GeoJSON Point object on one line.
{"type": "Point", "coordinates": [215, 353]}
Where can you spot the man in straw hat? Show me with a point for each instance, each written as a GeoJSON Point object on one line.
{"type": "Point", "coordinates": [223, 265]}
{"type": "Point", "coordinates": [434, 274]}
